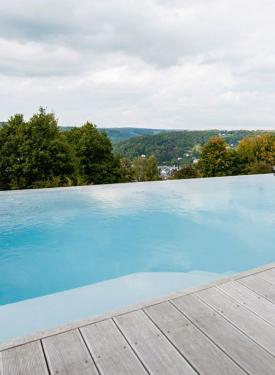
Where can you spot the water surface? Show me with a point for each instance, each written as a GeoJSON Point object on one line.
{"type": "Point", "coordinates": [53, 240]}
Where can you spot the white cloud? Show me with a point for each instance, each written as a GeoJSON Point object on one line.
{"type": "Point", "coordinates": [157, 63]}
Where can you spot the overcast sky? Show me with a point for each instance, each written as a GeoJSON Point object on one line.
{"type": "Point", "coordinates": [191, 64]}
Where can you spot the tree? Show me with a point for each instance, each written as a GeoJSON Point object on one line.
{"type": "Point", "coordinates": [185, 172]}
{"type": "Point", "coordinates": [145, 169]}
{"type": "Point", "coordinates": [196, 150]}
{"type": "Point", "coordinates": [128, 170]}
{"type": "Point", "coordinates": [234, 164]}
{"type": "Point", "coordinates": [213, 160]}
{"type": "Point", "coordinates": [34, 153]}
{"type": "Point", "coordinates": [96, 162]}
{"type": "Point", "coordinates": [260, 167]}
{"type": "Point", "coordinates": [258, 153]}
{"type": "Point", "coordinates": [10, 159]}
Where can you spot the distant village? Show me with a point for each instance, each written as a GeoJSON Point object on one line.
{"type": "Point", "coordinates": [167, 171]}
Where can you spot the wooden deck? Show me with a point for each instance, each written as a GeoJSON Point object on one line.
{"type": "Point", "coordinates": [227, 327]}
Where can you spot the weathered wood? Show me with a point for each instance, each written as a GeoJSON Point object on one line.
{"type": "Point", "coordinates": [268, 276]}
{"type": "Point", "coordinates": [67, 355]}
{"type": "Point", "coordinates": [245, 320]}
{"type": "Point", "coordinates": [154, 350]}
{"type": "Point", "coordinates": [260, 286]}
{"type": "Point", "coordinates": [249, 355]}
{"type": "Point", "coordinates": [24, 360]}
{"type": "Point", "coordinates": [1, 364]}
{"type": "Point", "coordinates": [110, 350]}
{"type": "Point", "coordinates": [259, 305]}
{"type": "Point", "coordinates": [222, 337]}
{"type": "Point", "coordinates": [108, 315]}
{"type": "Point", "coordinates": [205, 356]}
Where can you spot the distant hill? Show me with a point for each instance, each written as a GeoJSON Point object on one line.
{"type": "Point", "coordinates": [122, 134]}
{"type": "Point", "coordinates": [118, 134]}
{"type": "Point", "coordinates": [168, 146]}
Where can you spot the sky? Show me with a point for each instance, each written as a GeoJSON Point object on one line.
{"type": "Point", "coordinates": [179, 64]}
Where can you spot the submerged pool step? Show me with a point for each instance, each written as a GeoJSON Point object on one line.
{"type": "Point", "coordinates": [27, 317]}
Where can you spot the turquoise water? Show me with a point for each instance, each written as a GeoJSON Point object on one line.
{"type": "Point", "coordinates": [52, 240]}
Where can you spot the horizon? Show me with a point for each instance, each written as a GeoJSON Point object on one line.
{"type": "Point", "coordinates": [160, 129]}
{"type": "Point", "coordinates": [161, 64]}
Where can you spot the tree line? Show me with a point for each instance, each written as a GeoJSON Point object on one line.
{"type": "Point", "coordinates": [168, 146]}
{"type": "Point", "coordinates": [37, 154]}
{"type": "Point", "coordinates": [253, 155]}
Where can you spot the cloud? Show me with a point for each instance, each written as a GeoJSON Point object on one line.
{"type": "Point", "coordinates": [158, 63]}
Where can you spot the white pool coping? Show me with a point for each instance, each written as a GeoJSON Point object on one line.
{"type": "Point", "coordinates": [124, 309]}
{"type": "Point", "coordinates": [50, 311]}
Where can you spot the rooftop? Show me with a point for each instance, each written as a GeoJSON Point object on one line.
{"type": "Point", "coordinates": [226, 327]}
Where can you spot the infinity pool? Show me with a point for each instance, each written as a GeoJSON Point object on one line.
{"type": "Point", "coordinates": [53, 240]}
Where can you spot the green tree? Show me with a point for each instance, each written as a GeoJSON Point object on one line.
{"type": "Point", "coordinates": [10, 158]}
{"type": "Point", "coordinates": [213, 160]}
{"type": "Point", "coordinates": [128, 170]}
{"type": "Point", "coordinates": [234, 164]}
{"type": "Point", "coordinates": [34, 153]}
{"type": "Point", "coordinates": [145, 169]}
{"type": "Point", "coordinates": [187, 171]}
{"type": "Point", "coordinates": [258, 153]}
{"type": "Point", "coordinates": [96, 162]}
{"type": "Point", "coordinates": [196, 150]}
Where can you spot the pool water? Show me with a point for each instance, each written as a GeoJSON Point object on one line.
{"type": "Point", "coordinates": [54, 240]}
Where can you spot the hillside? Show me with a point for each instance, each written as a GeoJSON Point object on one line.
{"type": "Point", "coordinates": [118, 134]}
{"type": "Point", "coordinates": [121, 134]}
{"type": "Point", "coordinates": [166, 145]}
{"type": "Point", "coordinates": [170, 145]}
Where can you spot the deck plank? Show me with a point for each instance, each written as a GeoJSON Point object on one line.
{"type": "Point", "coordinates": [259, 286]}
{"type": "Point", "coordinates": [249, 355]}
{"type": "Point", "coordinates": [24, 360]}
{"type": "Point", "coordinates": [258, 304]}
{"type": "Point", "coordinates": [205, 356]}
{"type": "Point", "coordinates": [154, 350]}
{"type": "Point", "coordinates": [67, 355]}
{"type": "Point", "coordinates": [268, 276]}
{"type": "Point", "coordinates": [1, 364]}
{"type": "Point", "coordinates": [110, 350]}
{"type": "Point", "coordinates": [245, 320]}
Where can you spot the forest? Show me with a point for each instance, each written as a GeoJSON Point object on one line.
{"type": "Point", "coordinates": [37, 153]}
{"type": "Point", "coordinates": [168, 146]}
